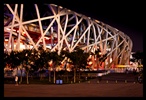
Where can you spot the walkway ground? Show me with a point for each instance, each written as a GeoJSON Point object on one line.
{"type": "Point", "coordinates": [75, 90]}
{"type": "Point", "coordinates": [86, 89]}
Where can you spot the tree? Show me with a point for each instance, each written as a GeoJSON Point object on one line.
{"type": "Point", "coordinates": [13, 60]}
{"type": "Point", "coordinates": [20, 56]}
{"type": "Point", "coordinates": [6, 58]}
{"type": "Point", "coordinates": [79, 59]}
{"type": "Point", "coordinates": [100, 58]}
{"type": "Point", "coordinates": [47, 62]}
{"type": "Point", "coordinates": [65, 54]}
{"type": "Point", "coordinates": [41, 62]}
{"type": "Point", "coordinates": [56, 59]}
{"type": "Point", "coordinates": [138, 57]}
{"type": "Point", "coordinates": [25, 61]}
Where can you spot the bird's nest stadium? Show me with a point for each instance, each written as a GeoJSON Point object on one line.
{"type": "Point", "coordinates": [28, 26]}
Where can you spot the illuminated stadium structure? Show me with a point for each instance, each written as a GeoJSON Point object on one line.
{"type": "Point", "coordinates": [28, 26]}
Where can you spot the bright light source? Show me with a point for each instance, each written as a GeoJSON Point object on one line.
{"type": "Point", "coordinates": [111, 60]}
{"type": "Point", "coordinates": [8, 29]}
{"type": "Point", "coordinates": [100, 53]}
{"type": "Point", "coordinates": [48, 46]}
{"type": "Point", "coordinates": [90, 63]}
{"type": "Point", "coordinates": [6, 39]}
{"type": "Point", "coordinates": [22, 46]}
{"type": "Point", "coordinates": [31, 47]}
{"type": "Point", "coordinates": [14, 30]}
{"type": "Point", "coordinates": [47, 38]}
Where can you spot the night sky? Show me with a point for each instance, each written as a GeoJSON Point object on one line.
{"type": "Point", "coordinates": [128, 17]}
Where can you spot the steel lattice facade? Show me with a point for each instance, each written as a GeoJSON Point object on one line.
{"type": "Point", "coordinates": [57, 28]}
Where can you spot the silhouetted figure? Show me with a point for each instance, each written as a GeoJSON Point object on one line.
{"type": "Point", "coordinates": [16, 80]}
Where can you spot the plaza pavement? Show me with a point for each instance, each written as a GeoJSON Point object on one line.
{"type": "Point", "coordinates": [105, 88]}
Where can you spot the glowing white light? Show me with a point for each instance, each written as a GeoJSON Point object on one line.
{"type": "Point", "coordinates": [111, 60]}
{"type": "Point", "coordinates": [31, 47]}
{"type": "Point", "coordinates": [8, 29]}
{"type": "Point", "coordinates": [14, 30]}
{"type": "Point", "coordinates": [90, 63]}
{"type": "Point", "coordinates": [6, 39]}
{"type": "Point", "coordinates": [47, 38]}
{"type": "Point", "coordinates": [48, 47]}
{"type": "Point", "coordinates": [22, 46]}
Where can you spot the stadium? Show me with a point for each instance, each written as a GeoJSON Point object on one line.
{"type": "Point", "coordinates": [28, 26]}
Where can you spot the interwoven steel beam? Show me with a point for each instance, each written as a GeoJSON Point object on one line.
{"type": "Point", "coordinates": [60, 28]}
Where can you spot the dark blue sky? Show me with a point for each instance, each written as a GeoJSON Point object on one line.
{"type": "Point", "coordinates": [125, 16]}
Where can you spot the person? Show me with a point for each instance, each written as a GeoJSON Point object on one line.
{"type": "Point", "coordinates": [16, 80]}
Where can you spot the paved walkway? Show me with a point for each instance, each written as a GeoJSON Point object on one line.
{"type": "Point", "coordinates": [75, 90]}
{"type": "Point", "coordinates": [108, 87]}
